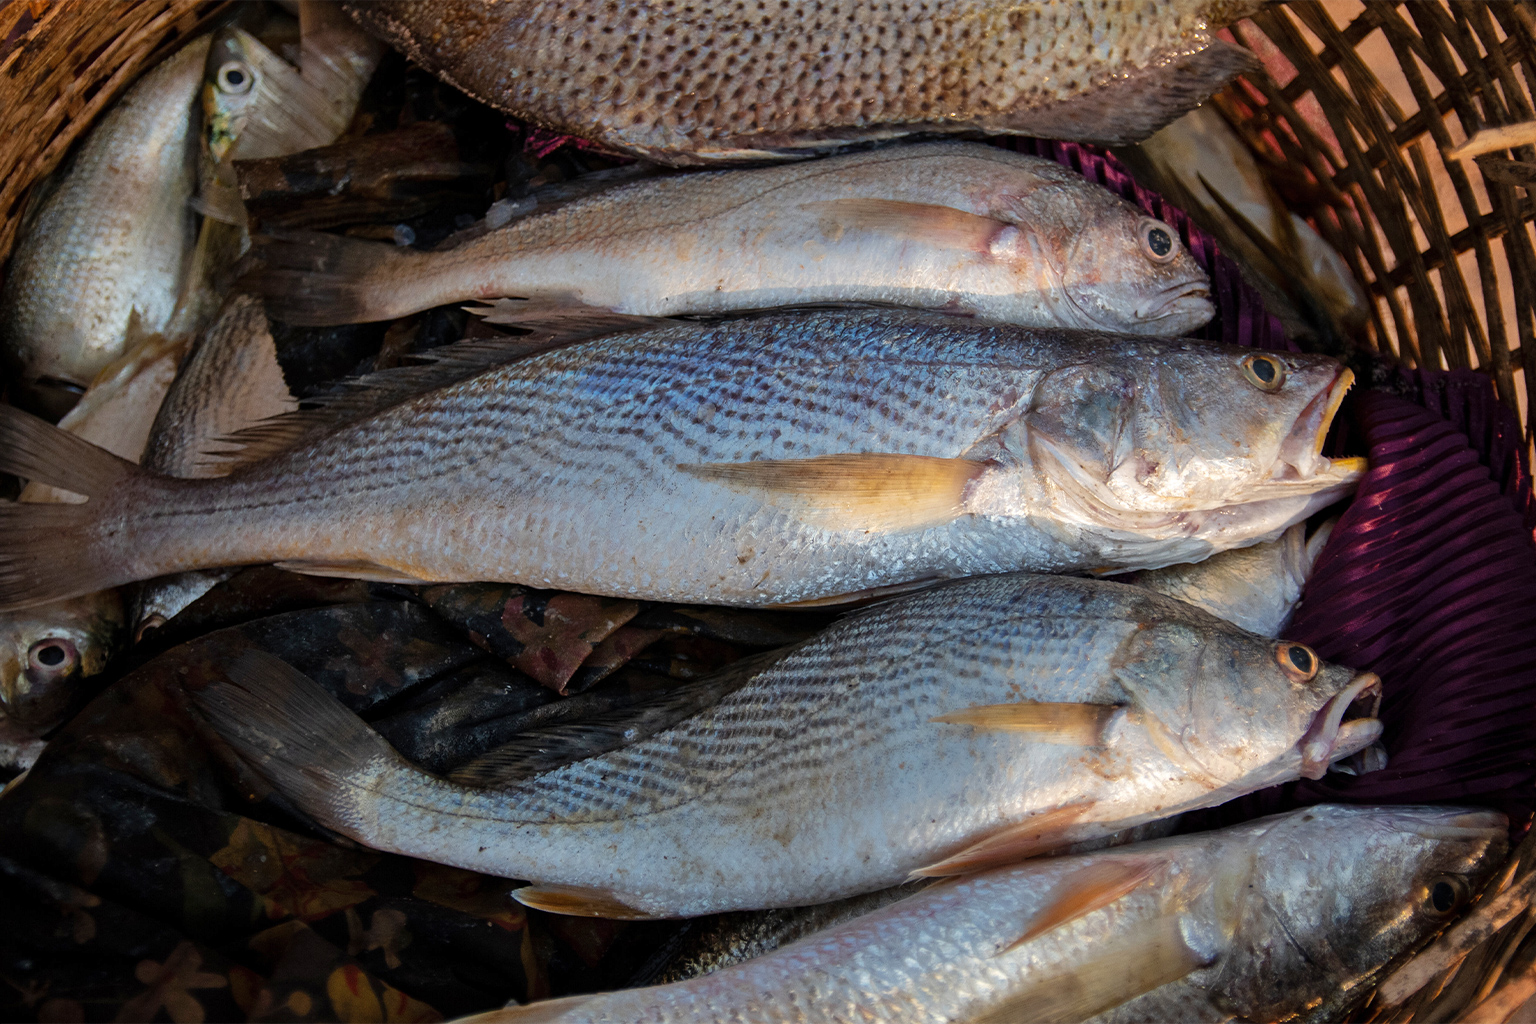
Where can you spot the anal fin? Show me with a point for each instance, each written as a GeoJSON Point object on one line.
{"type": "Point", "coordinates": [578, 901]}
{"type": "Point", "coordinates": [1034, 835]}
{"type": "Point", "coordinates": [1076, 725]}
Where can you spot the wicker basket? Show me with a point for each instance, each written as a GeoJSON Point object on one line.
{"type": "Point", "coordinates": [1352, 126]}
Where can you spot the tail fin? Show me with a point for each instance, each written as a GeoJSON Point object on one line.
{"type": "Point", "coordinates": [301, 739]}
{"type": "Point", "coordinates": [319, 280]}
{"type": "Point", "coordinates": [37, 450]}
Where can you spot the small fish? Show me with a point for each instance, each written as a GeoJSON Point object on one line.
{"type": "Point", "coordinates": [1263, 921]}
{"type": "Point", "coordinates": [960, 728]}
{"type": "Point", "coordinates": [114, 239]}
{"type": "Point", "coordinates": [1256, 588]}
{"type": "Point", "coordinates": [718, 80]}
{"type": "Point", "coordinates": [960, 226]}
{"type": "Point", "coordinates": [810, 457]}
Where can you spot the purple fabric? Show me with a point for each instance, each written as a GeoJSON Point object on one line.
{"type": "Point", "coordinates": [1241, 318]}
{"type": "Point", "coordinates": [1429, 580]}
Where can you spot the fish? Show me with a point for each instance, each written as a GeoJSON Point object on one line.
{"type": "Point", "coordinates": [961, 226]}
{"type": "Point", "coordinates": [717, 81]}
{"type": "Point", "coordinates": [813, 457]}
{"type": "Point", "coordinates": [958, 728]}
{"type": "Point", "coordinates": [1257, 588]}
{"type": "Point", "coordinates": [1261, 921]}
{"type": "Point", "coordinates": [114, 239]}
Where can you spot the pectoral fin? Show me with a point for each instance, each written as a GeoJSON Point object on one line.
{"type": "Point", "coordinates": [372, 572]}
{"type": "Point", "coordinates": [578, 901]}
{"type": "Point", "coordinates": [1085, 891]}
{"type": "Point", "coordinates": [869, 492]}
{"type": "Point", "coordinates": [1072, 725]}
{"type": "Point", "coordinates": [940, 226]}
{"type": "Point", "coordinates": [1012, 843]}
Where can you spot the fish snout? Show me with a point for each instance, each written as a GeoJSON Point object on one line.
{"type": "Point", "coordinates": [1188, 303]}
{"type": "Point", "coordinates": [1343, 726]}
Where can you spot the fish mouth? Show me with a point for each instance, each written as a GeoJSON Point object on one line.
{"type": "Point", "coordinates": [1343, 726]}
{"type": "Point", "coordinates": [1301, 453]}
{"type": "Point", "coordinates": [1191, 298]}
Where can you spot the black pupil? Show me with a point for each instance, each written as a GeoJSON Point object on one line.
{"type": "Point", "coordinates": [51, 655]}
{"type": "Point", "coordinates": [1264, 370]}
{"type": "Point", "coordinates": [1159, 241]}
{"type": "Point", "coordinates": [1443, 896]}
{"type": "Point", "coordinates": [1302, 659]}
{"type": "Point", "coordinates": [233, 78]}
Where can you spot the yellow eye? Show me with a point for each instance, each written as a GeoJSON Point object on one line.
{"type": "Point", "coordinates": [234, 77]}
{"type": "Point", "coordinates": [1297, 661]}
{"type": "Point", "coordinates": [1264, 371]}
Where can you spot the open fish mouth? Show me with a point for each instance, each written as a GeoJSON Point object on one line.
{"type": "Point", "coordinates": [1343, 726]}
{"type": "Point", "coordinates": [1301, 453]}
{"type": "Point", "coordinates": [1191, 297]}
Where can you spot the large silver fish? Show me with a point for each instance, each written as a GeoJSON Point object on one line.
{"type": "Point", "coordinates": [959, 728]}
{"type": "Point", "coordinates": [720, 80]}
{"type": "Point", "coordinates": [960, 226]}
{"type": "Point", "coordinates": [782, 459]}
{"type": "Point", "coordinates": [1263, 921]}
{"type": "Point", "coordinates": [114, 239]}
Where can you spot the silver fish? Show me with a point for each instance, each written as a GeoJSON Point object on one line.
{"type": "Point", "coordinates": [955, 225]}
{"type": "Point", "coordinates": [115, 237]}
{"type": "Point", "coordinates": [1262, 921]}
{"type": "Point", "coordinates": [794, 458]}
{"type": "Point", "coordinates": [719, 80]}
{"type": "Point", "coordinates": [959, 728]}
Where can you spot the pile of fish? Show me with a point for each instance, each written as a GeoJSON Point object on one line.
{"type": "Point", "coordinates": [935, 382]}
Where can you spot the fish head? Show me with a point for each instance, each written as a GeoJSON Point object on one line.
{"type": "Point", "coordinates": [1183, 428]}
{"type": "Point", "coordinates": [229, 89]}
{"type": "Point", "coordinates": [1127, 272]}
{"type": "Point", "coordinates": [1238, 709]}
{"type": "Point", "coordinates": [1324, 896]}
{"type": "Point", "coordinates": [46, 650]}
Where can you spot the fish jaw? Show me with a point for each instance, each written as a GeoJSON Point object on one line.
{"type": "Point", "coordinates": [1176, 310]}
{"type": "Point", "coordinates": [1331, 737]}
{"type": "Point", "coordinates": [1301, 453]}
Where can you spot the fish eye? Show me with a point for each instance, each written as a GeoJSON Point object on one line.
{"type": "Point", "coordinates": [1265, 372]}
{"type": "Point", "coordinates": [1158, 242]}
{"type": "Point", "coordinates": [53, 656]}
{"type": "Point", "coordinates": [234, 77]}
{"type": "Point", "coordinates": [1297, 661]}
{"type": "Point", "coordinates": [1446, 894]}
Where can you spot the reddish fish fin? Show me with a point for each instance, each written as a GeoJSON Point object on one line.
{"type": "Point", "coordinates": [578, 901]}
{"type": "Point", "coordinates": [357, 569]}
{"type": "Point", "coordinates": [1092, 888]}
{"type": "Point", "coordinates": [941, 226]}
{"type": "Point", "coordinates": [1145, 956]}
{"type": "Point", "coordinates": [1035, 835]}
{"type": "Point", "coordinates": [1077, 725]}
{"type": "Point", "coordinates": [870, 492]}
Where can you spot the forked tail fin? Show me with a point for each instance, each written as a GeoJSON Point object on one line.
{"type": "Point", "coordinates": [319, 280]}
{"type": "Point", "coordinates": [48, 550]}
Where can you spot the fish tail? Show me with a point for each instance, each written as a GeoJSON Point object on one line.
{"type": "Point", "coordinates": [313, 279]}
{"type": "Point", "coordinates": [48, 550]}
{"type": "Point", "coordinates": [309, 745]}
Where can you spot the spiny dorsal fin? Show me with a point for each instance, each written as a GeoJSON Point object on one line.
{"type": "Point", "coordinates": [1010, 844]}
{"type": "Point", "coordinates": [578, 901]}
{"type": "Point", "coordinates": [1082, 892]}
{"type": "Point", "coordinates": [1073, 725]}
{"type": "Point", "coordinates": [871, 492]}
{"type": "Point", "coordinates": [1145, 956]}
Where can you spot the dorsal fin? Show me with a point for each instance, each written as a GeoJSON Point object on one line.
{"type": "Point", "coordinates": [543, 750]}
{"type": "Point", "coordinates": [360, 397]}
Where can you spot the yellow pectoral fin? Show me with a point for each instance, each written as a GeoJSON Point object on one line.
{"type": "Point", "coordinates": [873, 493]}
{"type": "Point", "coordinates": [372, 572]}
{"type": "Point", "coordinates": [938, 226]}
{"type": "Point", "coordinates": [578, 901]}
{"type": "Point", "coordinates": [1075, 725]}
{"type": "Point", "coordinates": [1012, 843]}
{"type": "Point", "coordinates": [1085, 891]}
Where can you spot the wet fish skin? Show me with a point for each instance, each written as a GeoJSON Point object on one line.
{"type": "Point", "coordinates": [955, 225]}
{"type": "Point", "coordinates": [1253, 922]}
{"type": "Point", "coordinates": [114, 237]}
{"type": "Point", "coordinates": [842, 767]}
{"type": "Point", "coordinates": [719, 81]}
{"type": "Point", "coordinates": [779, 459]}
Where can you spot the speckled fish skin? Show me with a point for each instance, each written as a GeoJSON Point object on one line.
{"type": "Point", "coordinates": [827, 773]}
{"type": "Point", "coordinates": [718, 79]}
{"type": "Point", "coordinates": [115, 236]}
{"type": "Point", "coordinates": [960, 226]}
{"type": "Point", "coordinates": [689, 462]}
{"type": "Point", "coordinates": [1273, 915]}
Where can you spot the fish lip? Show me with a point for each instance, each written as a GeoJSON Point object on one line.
{"type": "Point", "coordinates": [1301, 456]}
{"type": "Point", "coordinates": [1183, 298]}
{"type": "Point", "coordinates": [1332, 736]}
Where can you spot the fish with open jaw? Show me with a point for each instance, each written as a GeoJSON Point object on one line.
{"type": "Point", "coordinates": [812, 457]}
{"type": "Point", "coordinates": [1262, 921]}
{"type": "Point", "coordinates": [718, 80]}
{"type": "Point", "coordinates": [960, 226]}
{"type": "Point", "coordinates": [966, 726]}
